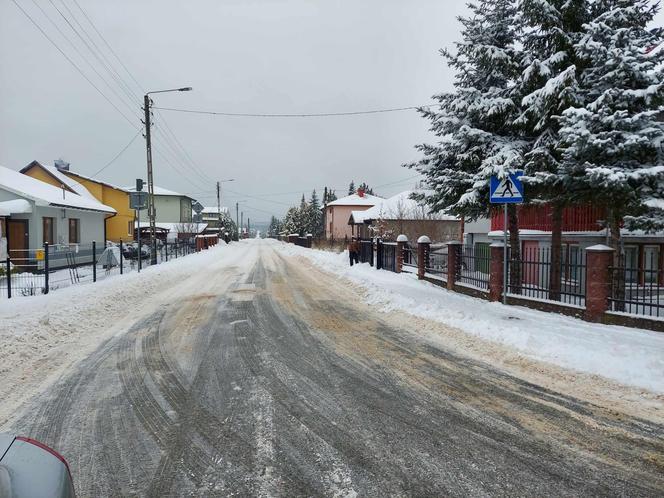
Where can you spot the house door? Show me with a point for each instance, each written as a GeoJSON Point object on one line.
{"type": "Point", "coordinates": [17, 238]}
{"type": "Point", "coordinates": [530, 258]}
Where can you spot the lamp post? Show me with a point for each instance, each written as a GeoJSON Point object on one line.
{"type": "Point", "coordinates": [147, 102]}
{"type": "Point", "coordinates": [219, 202]}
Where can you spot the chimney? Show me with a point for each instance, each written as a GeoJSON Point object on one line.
{"type": "Point", "coordinates": [61, 164]}
{"type": "Point", "coordinates": [360, 192]}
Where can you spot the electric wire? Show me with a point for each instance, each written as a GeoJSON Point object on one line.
{"type": "Point", "coordinates": [118, 154]}
{"type": "Point", "coordinates": [296, 115]}
{"type": "Point", "coordinates": [78, 69]}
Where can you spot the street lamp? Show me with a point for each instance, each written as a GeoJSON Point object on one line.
{"type": "Point", "coordinates": [219, 202]}
{"type": "Point", "coordinates": [147, 102]}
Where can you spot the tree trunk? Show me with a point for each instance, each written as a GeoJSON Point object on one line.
{"type": "Point", "coordinates": [514, 250]}
{"type": "Point", "coordinates": [555, 276]}
{"type": "Point", "coordinates": [619, 272]}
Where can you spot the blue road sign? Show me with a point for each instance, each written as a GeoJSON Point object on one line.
{"type": "Point", "coordinates": [506, 190]}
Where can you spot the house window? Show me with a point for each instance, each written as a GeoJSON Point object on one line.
{"type": "Point", "coordinates": [74, 231]}
{"type": "Point", "coordinates": [130, 228]}
{"type": "Point", "coordinates": [47, 225]}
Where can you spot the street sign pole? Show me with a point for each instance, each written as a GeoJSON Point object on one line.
{"type": "Point", "coordinates": [138, 218]}
{"type": "Point", "coordinates": [504, 253]}
{"type": "Point", "coordinates": [506, 190]}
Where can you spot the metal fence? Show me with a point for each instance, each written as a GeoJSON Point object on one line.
{"type": "Point", "coordinates": [531, 276]}
{"type": "Point", "coordinates": [475, 263]}
{"type": "Point", "coordinates": [436, 263]}
{"type": "Point", "coordinates": [409, 259]}
{"type": "Point", "coordinates": [366, 252]}
{"type": "Point", "coordinates": [40, 271]}
{"type": "Point", "coordinates": [386, 255]}
{"type": "Point", "coordinates": [638, 291]}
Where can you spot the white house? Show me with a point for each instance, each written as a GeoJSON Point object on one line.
{"type": "Point", "coordinates": [33, 212]}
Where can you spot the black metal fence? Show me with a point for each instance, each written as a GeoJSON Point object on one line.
{"type": "Point", "coordinates": [386, 254]}
{"type": "Point", "coordinates": [638, 291]}
{"type": "Point", "coordinates": [410, 258]}
{"type": "Point", "coordinates": [531, 276]}
{"type": "Point", "coordinates": [474, 266]}
{"type": "Point", "coordinates": [32, 272]}
{"type": "Point", "coordinates": [437, 260]}
{"type": "Point", "coordinates": [366, 252]}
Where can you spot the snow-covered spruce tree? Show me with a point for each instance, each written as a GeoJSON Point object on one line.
{"type": "Point", "coordinates": [550, 30]}
{"type": "Point", "coordinates": [475, 122]}
{"type": "Point", "coordinates": [290, 224]}
{"type": "Point", "coordinates": [613, 154]}
{"type": "Point", "coordinates": [315, 216]}
{"type": "Point", "coordinates": [351, 187]}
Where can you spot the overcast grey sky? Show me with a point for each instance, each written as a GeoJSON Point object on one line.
{"type": "Point", "coordinates": [256, 56]}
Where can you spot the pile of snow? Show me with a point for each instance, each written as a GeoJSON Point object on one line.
{"type": "Point", "coordinates": [630, 356]}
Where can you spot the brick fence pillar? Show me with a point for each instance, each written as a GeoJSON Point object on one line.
{"type": "Point", "coordinates": [292, 238]}
{"type": "Point", "coordinates": [453, 262]}
{"type": "Point", "coordinates": [423, 246]}
{"type": "Point", "coordinates": [496, 271]}
{"type": "Point", "coordinates": [598, 281]}
{"type": "Point", "coordinates": [402, 240]}
{"type": "Point", "coordinates": [310, 238]}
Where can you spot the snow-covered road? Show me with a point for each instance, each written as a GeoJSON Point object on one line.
{"type": "Point", "coordinates": [248, 370]}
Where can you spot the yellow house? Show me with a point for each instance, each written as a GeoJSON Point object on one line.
{"type": "Point", "coordinates": [120, 226]}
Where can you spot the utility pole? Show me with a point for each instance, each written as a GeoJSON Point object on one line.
{"type": "Point", "coordinates": [147, 102]}
{"type": "Point", "coordinates": [151, 211]}
{"type": "Point", "coordinates": [241, 221]}
{"type": "Point", "coordinates": [237, 220]}
{"type": "Point", "coordinates": [248, 227]}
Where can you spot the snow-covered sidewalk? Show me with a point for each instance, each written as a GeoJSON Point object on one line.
{"type": "Point", "coordinates": [629, 356]}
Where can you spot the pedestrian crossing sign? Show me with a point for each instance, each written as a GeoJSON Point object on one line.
{"type": "Point", "coordinates": [506, 190]}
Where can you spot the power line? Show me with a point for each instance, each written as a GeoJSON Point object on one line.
{"type": "Point", "coordinates": [308, 115]}
{"type": "Point", "coordinates": [78, 69]}
{"type": "Point", "coordinates": [118, 154]}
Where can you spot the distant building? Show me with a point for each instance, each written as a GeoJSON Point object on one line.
{"type": "Point", "coordinates": [170, 207]}
{"type": "Point", "coordinates": [118, 227]}
{"type": "Point", "coordinates": [338, 212]}
{"type": "Point", "coordinates": [399, 215]}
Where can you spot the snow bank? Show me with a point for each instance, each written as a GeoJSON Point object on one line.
{"type": "Point", "coordinates": [630, 356]}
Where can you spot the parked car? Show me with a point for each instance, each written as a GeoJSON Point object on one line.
{"type": "Point", "coordinates": [29, 468]}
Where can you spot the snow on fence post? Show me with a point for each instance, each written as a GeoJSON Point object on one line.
{"type": "Point", "coordinates": [402, 240]}
{"type": "Point", "coordinates": [598, 281]}
{"type": "Point", "coordinates": [453, 262]}
{"type": "Point", "coordinates": [496, 271]}
{"type": "Point", "coordinates": [423, 246]}
{"type": "Point", "coordinates": [45, 268]}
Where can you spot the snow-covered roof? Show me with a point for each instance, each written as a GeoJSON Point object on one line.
{"type": "Point", "coordinates": [213, 210]}
{"type": "Point", "coordinates": [356, 200]}
{"type": "Point", "coordinates": [89, 178]}
{"type": "Point", "coordinates": [44, 194]}
{"type": "Point", "coordinates": [399, 207]}
{"type": "Point", "coordinates": [15, 206]}
{"type": "Point", "coordinates": [159, 191]}
{"type": "Point", "coordinates": [68, 182]}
